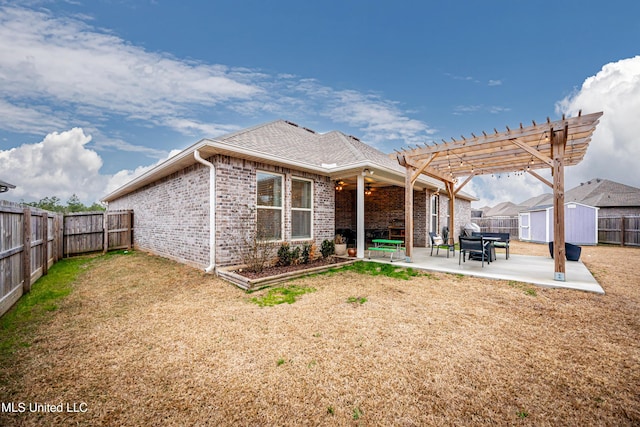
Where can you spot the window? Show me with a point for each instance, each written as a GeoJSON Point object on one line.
{"type": "Point", "coordinates": [434, 213]}
{"type": "Point", "coordinates": [269, 206]}
{"type": "Point", "coordinates": [301, 208]}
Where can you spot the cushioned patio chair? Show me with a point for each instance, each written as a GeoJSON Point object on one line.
{"type": "Point", "coordinates": [472, 245]}
{"type": "Point", "coordinates": [438, 242]}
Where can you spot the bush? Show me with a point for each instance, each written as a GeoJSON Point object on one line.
{"type": "Point", "coordinates": [328, 248]}
{"type": "Point", "coordinates": [308, 250]}
{"type": "Point", "coordinates": [287, 255]}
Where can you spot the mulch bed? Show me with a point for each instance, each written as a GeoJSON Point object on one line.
{"type": "Point", "coordinates": [280, 269]}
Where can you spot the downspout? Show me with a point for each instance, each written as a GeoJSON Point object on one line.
{"type": "Point", "coordinates": [212, 211]}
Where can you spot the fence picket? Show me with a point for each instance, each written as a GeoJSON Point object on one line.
{"type": "Point", "coordinates": [32, 240]}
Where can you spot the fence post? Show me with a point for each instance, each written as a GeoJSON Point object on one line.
{"type": "Point", "coordinates": [45, 243]}
{"type": "Point", "coordinates": [105, 219]}
{"type": "Point", "coordinates": [130, 227]}
{"type": "Point", "coordinates": [26, 251]}
{"type": "Point", "coordinates": [622, 230]}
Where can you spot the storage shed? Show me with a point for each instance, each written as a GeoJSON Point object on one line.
{"type": "Point", "coordinates": [580, 224]}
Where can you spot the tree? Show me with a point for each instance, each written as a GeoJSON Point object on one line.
{"type": "Point", "coordinates": [52, 204]}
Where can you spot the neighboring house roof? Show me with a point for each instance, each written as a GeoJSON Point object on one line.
{"type": "Point", "coordinates": [597, 192]}
{"type": "Point", "coordinates": [502, 209]}
{"type": "Point", "coordinates": [5, 186]}
{"type": "Point", "coordinates": [543, 199]}
{"type": "Point", "coordinates": [604, 193]}
{"type": "Point", "coordinates": [334, 154]}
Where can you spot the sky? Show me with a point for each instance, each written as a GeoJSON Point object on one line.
{"type": "Point", "coordinates": [93, 93]}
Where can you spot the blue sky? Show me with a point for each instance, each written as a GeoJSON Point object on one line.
{"type": "Point", "coordinates": [94, 92]}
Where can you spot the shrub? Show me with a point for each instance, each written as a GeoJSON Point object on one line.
{"type": "Point", "coordinates": [284, 255]}
{"type": "Point", "coordinates": [294, 255]}
{"type": "Point", "coordinates": [288, 255]}
{"type": "Point", "coordinates": [308, 250]}
{"type": "Point", "coordinates": [328, 248]}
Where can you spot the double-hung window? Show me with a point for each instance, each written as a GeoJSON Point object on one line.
{"type": "Point", "coordinates": [434, 213]}
{"type": "Point", "coordinates": [301, 208]}
{"type": "Point", "coordinates": [269, 225]}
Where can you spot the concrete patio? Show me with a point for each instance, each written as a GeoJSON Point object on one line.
{"type": "Point", "coordinates": [538, 270]}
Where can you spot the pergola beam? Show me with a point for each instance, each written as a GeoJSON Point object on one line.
{"type": "Point", "coordinates": [422, 166]}
{"type": "Point", "coordinates": [535, 175]}
{"type": "Point", "coordinates": [548, 145]}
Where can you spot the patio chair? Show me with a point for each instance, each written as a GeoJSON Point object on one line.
{"type": "Point", "coordinates": [445, 239]}
{"type": "Point", "coordinates": [472, 245]}
{"type": "Point", "coordinates": [438, 242]}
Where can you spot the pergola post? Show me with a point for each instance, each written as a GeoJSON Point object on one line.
{"type": "Point", "coordinates": [559, 140]}
{"type": "Point", "coordinates": [408, 213]}
{"type": "Point", "coordinates": [452, 204]}
{"type": "Point", "coordinates": [360, 240]}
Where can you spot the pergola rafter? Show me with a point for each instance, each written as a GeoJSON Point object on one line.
{"type": "Point", "coordinates": [551, 145]}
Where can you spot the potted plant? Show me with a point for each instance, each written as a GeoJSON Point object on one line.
{"type": "Point", "coordinates": [341, 245]}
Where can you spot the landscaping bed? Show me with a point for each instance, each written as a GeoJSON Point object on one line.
{"type": "Point", "coordinates": [240, 276]}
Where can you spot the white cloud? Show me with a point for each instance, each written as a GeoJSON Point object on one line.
{"type": "Point", "coordinates": [380, 120]}
{"type": "Point", "coordinates": [466, 109]}
{"type": "Point", "coordinates": [504, 187]}
{"type": "Point", "coordinates": [66, 62]}
{"type": "Point", "coordinates": [27, 120]}
{"type": "Point", "coordinates": [60, 165]}
{"type": "Point", "coordinates": [495, 82]}
{"type": "Point", "coordinates": [615, 147]}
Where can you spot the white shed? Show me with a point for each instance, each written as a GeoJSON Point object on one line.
{"type": "Point", "coordinates": [580, 224]}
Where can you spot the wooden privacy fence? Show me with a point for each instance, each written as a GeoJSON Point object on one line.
{"type": "Point", "coordinates": [31, 240]}
{"type": "Point", "coordinates": [507, 224]}
{"type": "Point", "coordinates": [619, 230]}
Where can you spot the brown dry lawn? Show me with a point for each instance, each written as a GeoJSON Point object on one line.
{"type": "Point", "coordinates": [145, 341]}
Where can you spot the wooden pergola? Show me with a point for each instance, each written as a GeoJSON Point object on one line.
{"type": "Point", "coordinates": [551, 145]}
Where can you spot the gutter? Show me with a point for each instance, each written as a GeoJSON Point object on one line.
{"type": "Point", "coordinates": [212, 211]}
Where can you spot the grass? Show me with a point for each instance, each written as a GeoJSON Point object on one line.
{"type": "Point", "coordinates": [356, 300]}
{"type": "Point", "coordinates": [281, 295]}
{"type": "Point", "coordinates": [457, 351]}
{"type": "Point", "coordinates": [37, 306]}
{"type": "Point", "coordinates": [378, 269]}
{"type": "Point", "coordinates": [526, 288]}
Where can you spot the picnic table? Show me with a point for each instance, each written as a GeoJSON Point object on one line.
{"type": "Point", "coordinates": [386, 245]}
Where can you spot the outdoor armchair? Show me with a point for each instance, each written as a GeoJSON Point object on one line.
{"type": "Point", "coordinates": [438, 242]}
{"type": "Point", "coordinates": [471, 245]}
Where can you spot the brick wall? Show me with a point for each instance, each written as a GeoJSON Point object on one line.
{"type": "Point", "coordinates": [171, 216]}
{"type": "Point", "coordinates": [383, 207]}
{"type": "Point", "coordinates": [462, 214]}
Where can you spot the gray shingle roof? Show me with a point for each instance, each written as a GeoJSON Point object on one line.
{"type": "Point", "coordinates": [604, 193]}
{"type": "Point", "coordinates": [292, 142]}
{"type": "Point", "coordinates": [285, 143]}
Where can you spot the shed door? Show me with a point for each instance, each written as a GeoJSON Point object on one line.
{"type": "Point", "coordinates": [525, 230]}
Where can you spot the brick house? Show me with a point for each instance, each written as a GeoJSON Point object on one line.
{"type": "Point", "coordinates": [296, 185]}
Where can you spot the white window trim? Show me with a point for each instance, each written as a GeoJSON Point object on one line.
{"type": "Point", "coordinates": [281, 207]}
{"type": "Point", "coordinates": [435, 206]}
{"type": "Point", "coordinates": [311, 209]}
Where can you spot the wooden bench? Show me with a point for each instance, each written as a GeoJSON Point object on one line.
{"type": "Point", "coordinates": [386, 245]}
